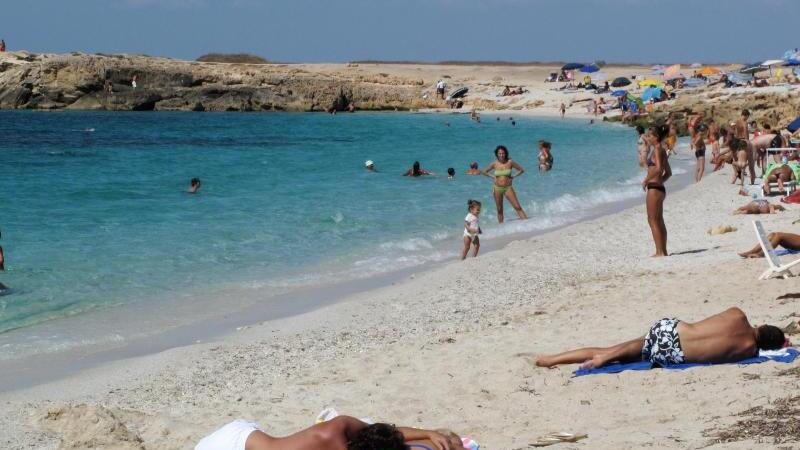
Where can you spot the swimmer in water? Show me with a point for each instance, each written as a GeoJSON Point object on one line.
{"type": "Point", "coordinates": [473, 169]}
{"type": "Point", "coordinates": [416, 171]}
{"type": "Point", "coordinates": [194, 185]}
{"type": "Point", "coordinates": [451, 173]}
{"type": "Point", "coordinates": [545, 156]}
{"type": "Point", "coordinates": [369, 165]}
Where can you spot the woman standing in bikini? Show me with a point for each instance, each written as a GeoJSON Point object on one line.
{"type": "Point", "coordinates": [502, 167]}
{"type": "Point", "coordinates": [658, 172]}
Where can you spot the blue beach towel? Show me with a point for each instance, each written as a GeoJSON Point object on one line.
{"type": "Point", "coordinates": [784, 251]}
{"type": "Point", "coordinates": [785, 355]}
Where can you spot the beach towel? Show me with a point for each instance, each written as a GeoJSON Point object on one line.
{"type": "Point", "coordinates": [785, 355]}
{"type": "Point", "coordinates": [783, 252]}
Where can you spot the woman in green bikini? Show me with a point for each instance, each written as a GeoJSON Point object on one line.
{"type": "Point", "coordinates": [502, 175]}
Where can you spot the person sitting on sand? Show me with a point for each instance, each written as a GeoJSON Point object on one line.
{"type": "Point", "coordinates": [503, 179]}
{"type": "Point", "coordinates": [194, 185]}
{"type": "Point", "coordinates": [340, 433]}
{"type": "Point", "coordinates": [722, 338]}
{"type": "Point", "coordinates": [789, 241]}
{"type": "Point", "coordinates": [545, 156]}
{"type": "Point", "coordinates": [473, 169]}
{"type": "Point", "coordinates": [416, 171]}
{"type": "Point", "coordinates": [759, 206]}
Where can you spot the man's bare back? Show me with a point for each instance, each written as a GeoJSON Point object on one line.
{"type": "Point", "coordinates": [723, 337]}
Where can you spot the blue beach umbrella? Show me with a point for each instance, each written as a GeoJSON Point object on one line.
{"type": "Point", "coordinates": [619, 93]}
{"type": "Point", "coordinates": [589, 69]}
{"type": "Point", "coordinates": [653, 92]}
{"type": "Point", "coordinates": [792, 62]}
{"type": "Point", "coordinates": [572, 66]}
{"type": "Point", "coordinates": [794, 125]}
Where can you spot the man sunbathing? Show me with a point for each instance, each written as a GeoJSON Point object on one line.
{"type": "Point", "coordinates": [759, 206]}
{"type": "Point", "coordinates": [788, 241]}
{"type": "Point", "coordinates": [779, 174]}
{"type": "Point", "coordinates": [724, 337]}
{"type": "Point", "coordinates": [340, 433]}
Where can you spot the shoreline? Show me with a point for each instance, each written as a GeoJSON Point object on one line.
{"type": "Point", "coordinates": [260, 309]}
{"type": "Point", "coordinates": [445, 330]}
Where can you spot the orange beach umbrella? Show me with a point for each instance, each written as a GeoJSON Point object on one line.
{"type": "Point", "coordinates": [708, 70]}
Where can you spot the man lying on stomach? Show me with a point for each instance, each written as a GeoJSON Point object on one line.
{"type": "Point", "coordinates": [341, 433]}
{"type": "Point", "coordinates": [721, 338]}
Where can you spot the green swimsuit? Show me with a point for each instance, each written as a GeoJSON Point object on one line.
{"type": "Point", "coordinates": [501, 173]}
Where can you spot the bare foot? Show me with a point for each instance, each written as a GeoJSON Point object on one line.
{"type": "Point", "coordinates": [535, 360]}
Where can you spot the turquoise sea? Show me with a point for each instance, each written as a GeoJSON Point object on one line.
{"type": "Point", "coordinates": [95, 214]}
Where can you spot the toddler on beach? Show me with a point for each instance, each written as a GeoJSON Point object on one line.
{"type": "Point", "coordinates": [472, 229]}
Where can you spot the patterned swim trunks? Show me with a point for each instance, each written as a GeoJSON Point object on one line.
{"type": "Point", "coordinates": [662, 345]}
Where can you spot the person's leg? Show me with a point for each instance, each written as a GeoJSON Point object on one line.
{"type": "Point", "coordinates": [596, 356]}
{"type": "Point", "coordinates": [498, 200]}
{"type": "Point", "coordinates": [701, 167]}
{"type": "Point", "coordinates": [466, 248]}
{"type": "Point", "coordinates": [512, 198]}
{"type": "Point", "coordinates": [476, 245]}
{"type": "Point", "coordinates": [788, 241]}
{"type": "Point", "coordinates": [655, 204]}
{"type": "Point", "coordinates": [751, 164]}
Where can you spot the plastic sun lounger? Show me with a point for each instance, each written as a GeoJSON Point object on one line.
{"type": "Point", "coordinates": [776, 268]}
{"type": "Point", "coordinates": [772, 188]}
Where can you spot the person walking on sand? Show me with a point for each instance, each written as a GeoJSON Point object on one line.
{"type": "Point", "coordinates": [440, 89]}
{"type": "Point", "coordinates": [133, 81]}
{"type": "Point", "coordinates": [741, 140]}
{"type": "Point", "coordinates": [700, 152]}
{"type": "Point", "coordinates": [563, 109]}
{"type": "Point", "coordinates": [503, 179]}
{"type": "Point", "coordinates": [658, 172]}
{"type": "Point", "coordinates": [472, 229]}
{"type": "Point", "coordinates": [726, 337]}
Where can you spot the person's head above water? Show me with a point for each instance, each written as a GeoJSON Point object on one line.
{"type": "Point", "coordinates": [195, 181]}
{"type": "Point", "coordinates": [451, 172]}
{"type": "Point", "coordinates": [770, 337]}
{"type": "Point", "coordinates": [501, 153]}
{"type": "Point", "coordinates": [369, 164]}
{"type": "Point", "coordinates": [473, 165]}
{"type": "Point", "coordinates": [415, 168]}
{"type": "Point", "coordinates": [379, 436]}
{"type": "Point", "coordinates": [545, 144]}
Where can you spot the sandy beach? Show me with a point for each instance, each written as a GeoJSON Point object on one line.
{"type": "Point", "coordinates": [442, 349]}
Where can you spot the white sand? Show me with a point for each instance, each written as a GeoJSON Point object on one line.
{"type": "Point", "coordinates": [439, 349]}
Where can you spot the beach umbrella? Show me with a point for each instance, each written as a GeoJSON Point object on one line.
{"type": "Point", "coordinates": [791, 54]}
{"type": "Point", "coordinates": [672, 72]}
{"type": "Point", "coordinates": [706, 71]}
{"type": "Point", "coordinates": [653, 92]}
{"type": "Point", "coordinates": [651, 82]}
{"type": "Point", "coordinates": [633, 98]}
{"type": "Point", "coordinates": [619, 93]}
{"type": "Point", "coordinates": [589, 69]}
{"type": "Point", "coordinates": [620, 82]}
{"type": "Point", "coordinates": [572, 66]}
{"type": "Point", "coordinates": [657, 69]}
{"type": "Point", "coordinates": [792, 62]}
{"type": "Point", "coordinates": [696, 66]}
{"type": "Point", "coordinates": [772, 62]}
{"type": "Point", "coordinates": [599, 76]}
{"type": "Point", "coordinates": [794, 125]}
{"type": "Point", "coordinates": [752, 68]}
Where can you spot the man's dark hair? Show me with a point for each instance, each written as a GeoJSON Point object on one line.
{"type": "Point", "coordinates": [746, 113]}
{"type": "Point", "coordinates": [770, 337]}
{"type": "Point", "coordinates": [379, 436]}
{"type": "Point", "coordinates": [639, 129]}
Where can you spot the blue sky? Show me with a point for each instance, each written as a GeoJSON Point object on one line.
{"type": "Point", "coordinates": [425, 30]}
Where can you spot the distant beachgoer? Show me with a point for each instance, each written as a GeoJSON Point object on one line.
{"type": "Point", "coordinates": [742, 139]}
{"type": "Point", "coordinates": [700, 152]}
{"type": "Point", "coordinates": [503, 179]}
{"type": "Point", "coordinates": [658, 172]}
{"type": "Point", "coordinates": [691, 124]}
{"type": "Point", "coordinates": [672, 139]}
{"type": "Point", "coordinates": [760, 144]}
{"type": "Point", "coordinates": [780, 174]}
{"type": "Point", "coordinates": [416, 171]}
{"type": "Point", "coordinates": [726, 337]}
{"type": "Point", "coordinates": [2, 45]}
{"type": "Point", "coordinates": [133, 81]}
{"type": "Point", "coordinates": [440, 89]}
{"type": "Point", "coordinates": [741, 158]}
{"type": "Point", "coordinates": [641, 146]}
{"type": "Point", "coordinates": [473, 169]}
{"type": "Point", "coordinates": [369, 165]}
{"type": "Point", "coordinates": [342, 432]}
{"type": "Point", "coordinates": [451, 173]}
{"type": "Point", "coordinates": [789, 241]}
{"type": "Point", "coordinates": [713, 138]}
{"type": "Point", "coordinates": [545, 156]}
{"type": "Point", "coordinates": [2, 259]}
{"type": "Point", "coordinates": [472, 229]}
{"type": "Point", "coordinates": [563, 109]}
{"type": "Point", "coordinates": [513, 123]}
{"type": "Point", "coordinates": [194, 185]}
{"type": "Point", "coordinates": [759, 206]}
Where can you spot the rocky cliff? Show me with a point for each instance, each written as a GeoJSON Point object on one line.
{"type": "Point", "coordinates": [104, 82]}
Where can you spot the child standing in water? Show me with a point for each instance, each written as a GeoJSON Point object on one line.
{"type": "Point", "coordinates": [472, 229]}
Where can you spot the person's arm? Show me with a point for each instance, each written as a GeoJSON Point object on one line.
{"type": "Point", "coordinates": [451, 441]}
{"type": "Point", "coordinates": [663, 164]}
{"type": "Point", "coordinates": [519, 168]}
{"type": "Point", "coordinates": [485, 172]}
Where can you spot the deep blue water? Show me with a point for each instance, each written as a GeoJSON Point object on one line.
{"type": "Point", "coordinates": [94, 211]}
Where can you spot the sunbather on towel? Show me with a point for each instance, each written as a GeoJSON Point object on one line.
{"type": "Point", "coordinates": [759, 206]}
{"type": "Point", "coordinates": [341, 433]}
{"type": "Point", "coordinates": [721, 338]}
{"type": "Point", "coordinates": [788, 241]}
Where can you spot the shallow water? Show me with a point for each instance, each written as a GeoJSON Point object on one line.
{"type": "Point", "coordinates": [95, 213]}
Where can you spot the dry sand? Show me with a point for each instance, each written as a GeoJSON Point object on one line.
{"type": "Point", "coordinates": [441, 348]}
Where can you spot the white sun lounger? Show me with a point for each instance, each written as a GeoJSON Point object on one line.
{"type": "Point", "coordinates": [772, 188]}
{"type": "Point", "coordinates": [776, 268]}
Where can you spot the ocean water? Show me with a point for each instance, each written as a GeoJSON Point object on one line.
{"type": "Point", "coordinates": [94, 213]}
